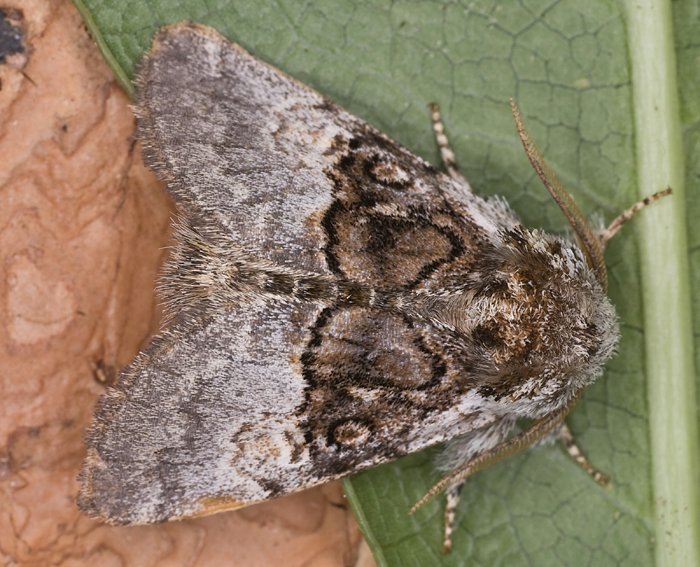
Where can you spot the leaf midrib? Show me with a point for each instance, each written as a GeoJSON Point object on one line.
{"type": "Point", "coordinates": [664, 254]}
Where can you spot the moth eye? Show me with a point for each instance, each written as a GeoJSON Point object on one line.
{"type": "Point", "coordinates": [591, 334]}
{"type": "Point", "coordinates": [555, 248]}
{"type": "Point", "coordinates": [485, 336]}
{"type": "Point", "coordinates": [389, 172]}
{"type": "Point", "coordinates": [494, 287]}
{"type": "Point", "coordinates": [350, 433]}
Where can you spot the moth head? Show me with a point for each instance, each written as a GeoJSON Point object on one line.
{"type": "Point", "coordinates": [537, 319]}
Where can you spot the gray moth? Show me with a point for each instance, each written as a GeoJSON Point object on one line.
{"type": "Point", "coordinates": [332, 302]}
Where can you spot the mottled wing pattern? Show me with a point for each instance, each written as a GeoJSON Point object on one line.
{"type": "Point", "coordinates": [293, 357]}
{"type": "Point", "coordinates": [196, 419]}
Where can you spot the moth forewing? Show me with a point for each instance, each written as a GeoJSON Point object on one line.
{"type": "Point", "coordinates": [328, 292]}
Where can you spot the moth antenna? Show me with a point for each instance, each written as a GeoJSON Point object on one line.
{"type": "Point", "coordinates": [624, 216]}
{"type": "Point", "coordinates": [589, 242]}
{"type": "Point", "coordinates": [531, 435]}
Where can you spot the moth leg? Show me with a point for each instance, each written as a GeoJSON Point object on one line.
{"type": "Point", "coordinates": [460, 450]}
{"type": "Point", "coordinates": [448, 156]}
{"type": "Point", "coordinates": [534, 433]}
{"type": "Point", "coordinates": [573, 449]}
{"type": "Point", "coordinates": [625, 216]}
{"type": "Point", "coordinates": [452, 495]}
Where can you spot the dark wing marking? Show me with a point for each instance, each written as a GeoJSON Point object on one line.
{"type": "Point", "coordinates": [378, 388]}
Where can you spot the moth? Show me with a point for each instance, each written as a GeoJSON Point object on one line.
{"type": "Point", "coordinates": [332, 302]}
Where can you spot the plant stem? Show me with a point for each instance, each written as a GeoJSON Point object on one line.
{"type": "Point", "coordinates": [666, 286]}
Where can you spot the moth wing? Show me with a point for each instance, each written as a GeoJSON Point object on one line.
{"type": "Point", "coordinates": [201, 418]}
{"type": "Point", "coordinates": [261, 401]}
{"type": "Point", "coordinates": [243, 144]}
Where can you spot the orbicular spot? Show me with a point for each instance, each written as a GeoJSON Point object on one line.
{"type": "Point", "coordinates": [350, 432]}
{"type": "Point", "coordinates": [386, 171]}
{"type": "Point", "coordinates": [486, 336]}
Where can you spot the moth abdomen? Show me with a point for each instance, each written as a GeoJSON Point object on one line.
{"type": "Point", "coordinates": [205, 266]}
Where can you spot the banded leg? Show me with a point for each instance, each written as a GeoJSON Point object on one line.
{"type": "Point", "coordinates": [480, 449]}
{"type": "Point", "coordinates": [625, 216]}
{"type": "Point", "coordinates": [448, 156]}
{"type": "Point", "coordinates": [452, 494]}
{"type": "Point", "coordinates": [461, 450]}
{"type": "Point", "coordinates": [534, 433]}
{"type": "Point", "coordinates": [577, 455]}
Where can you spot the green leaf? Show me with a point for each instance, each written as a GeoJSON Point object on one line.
{"type": "Point", "coordinates": [598, 87]}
